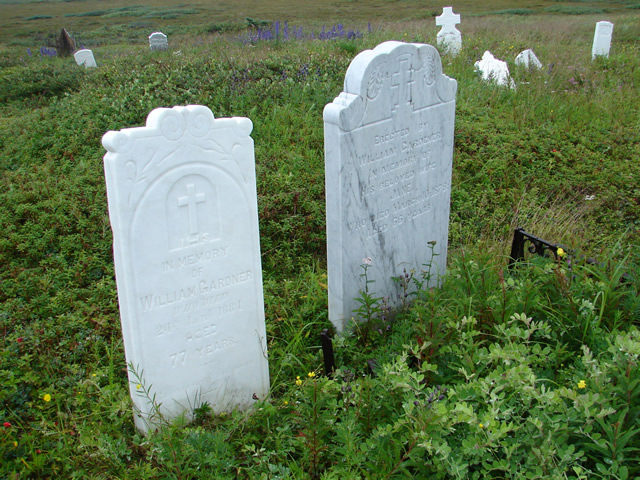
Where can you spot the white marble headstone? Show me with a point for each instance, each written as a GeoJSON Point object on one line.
{"type": "Point", "coordinates": [494, 70]}
{"type": "Point", "coordinates": [528, 60]}
{"type": "Point", "coordinates": [388, 155]}
{"type": "Point", "coordinates": [602, 39]}
{"type": "Point", "coordinates": [183, 209]}
{"type": "Point", "coordinates": [449, 37]}
{"type": "Point", "coordinates": [158, 41]}
{"type": "Point", "coordinates": [85, 57]}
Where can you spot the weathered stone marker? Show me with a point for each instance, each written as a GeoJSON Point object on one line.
{"type": "Point", "coordinates": [494, 70]}
{"type": "Point", "coordinates": [602, 39]}
{"type": "Point", "coordinates": [528, 60]}
{"type": "Point", "coordinates": [183, 209]}
{"type": "Point", "coordinates": [65, 45]}
{"type": "Point", "coordinates": [85, 57]}
{"type": "Point", "coordinates": [158, 42]}
{"type": "Point", "coordinates": [388, 157]}
{"type": "Point", "coordinates": [449, 37]}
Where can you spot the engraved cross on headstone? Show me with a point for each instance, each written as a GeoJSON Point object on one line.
{"type": "Point", "coordinates": [191, 201]}
{"type": "Point", "coordinates": [402, 80]}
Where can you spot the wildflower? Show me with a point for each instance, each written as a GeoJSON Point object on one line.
{"type": "Point", "coordinates": [47, 397]}
{"type": "Point", "coordinates": [7, 425]}
{"type": "Point", "coordinates": [560, 252]}
{"type": "Point", "coordinates": [582, 384]}
{"type": "Point", "coordinates": [93, 374]}
{"type": "Point", "coordinates": [286, 402]}
{"type": "Point", "coordinates": [367, 260]}
{"type": "Point", "coordinates": [481, 425]}
{"type": "Point", "coordinates": [138, 386]}
{"type": "Point", "coordinates": [311, 374]}
{"type": "Point", "coordinates": [298, 381]}
{"type": "Point", "coordinates": [20, 340]}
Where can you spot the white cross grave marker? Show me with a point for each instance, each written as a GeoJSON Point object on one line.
{"type": "Point", "coordinates": [449, 38]}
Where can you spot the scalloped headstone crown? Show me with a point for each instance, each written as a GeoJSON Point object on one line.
{"type": "Point", "coordinates": [388, 153]}
{"type": "Point", "coordinates": [183, 209]}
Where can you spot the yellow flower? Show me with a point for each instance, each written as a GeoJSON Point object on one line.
{"type": "Point", "coordinates": [15, 444]}
{"type": "Point", "coordinates": [93, 374]}
{"type": "Point", "coordinates": [582, 384]}
{"type": "Point", "coordinates": [47, 397]}
{"type": "Point", "coordinates": [311, 374]}
{"type": "Point", "coordinates": [298, 381]}
{"type": "Point", "coordinates": [138, 386]}
{"type": "Point", "coordinates": [560, 252]}
{"type": "Point", "coordinates": [286, 402]}
{"type": "Point", "coordinates": [481, 425]}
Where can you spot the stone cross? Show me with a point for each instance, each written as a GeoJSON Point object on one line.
{"type": "Point", "coordinates": [449, 38]}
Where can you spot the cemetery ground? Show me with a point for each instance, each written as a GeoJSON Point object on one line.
{"type": "Point", "coordinates": [523, 373]}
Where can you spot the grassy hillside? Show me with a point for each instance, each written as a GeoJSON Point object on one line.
{"type": "Point", "coordinates": [499, 374]}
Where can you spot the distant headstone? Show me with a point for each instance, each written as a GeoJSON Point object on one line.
{"type": "Point", "coordinates": [528, 60]}
{"type": "Point", "coordinates": [388, 154]}
{"type": "Point", "coordinates": [183, 209]}
{"type": "Point", "coordinates": [602, 39]}
{"type": "Point", "coordinates": [85, 57]}
{"type": "Point", "coordinates": [494, 70]}
{"type": "Point", "coordinates": [65, 45]}
{"type": "Point", "coordinates": [158, 41]}
{"type": "Point", "coordinates": [449, 37]}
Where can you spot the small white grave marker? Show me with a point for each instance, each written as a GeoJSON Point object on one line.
{"type": "Point", "coordinates": [158, 42]}
{"type": "Point", "coordinates": [528, 60]}
{"type": "Point", "coordinates": [183, 209]}
{"type": "Point", "coordinates": [449, 37]}
{"type": "Point", "coordinates": [494, 70]}
{"type": "Point", "coordinates": [388, 155]}
{"type": "Point", "coordinates": [602, 39]}
{"type": "Point", "coordinates": [85, 57]}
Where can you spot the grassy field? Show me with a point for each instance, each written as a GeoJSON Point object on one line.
{"type": "Point", "coordinates": [526, 373]}
{"type": "Point", "coordinates": [98, 22]}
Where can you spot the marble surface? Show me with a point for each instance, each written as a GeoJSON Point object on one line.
{"type": "Point", "coordinates": [494, 70]}
{"type": "Point", "coordinates": [388, 159]}
{"type": "Point", "coordinates": [183, 209]}
{"type": "Point", "coordinates": [602, 39]}
{"type": "Point", "coordinates": [85, 57]}
{"type": "Point", "coordinates": [449, 38]}
{"type": "Point", "coordinates": [528, 59]}
{"type": "Point", "coordinates": [158, 41]}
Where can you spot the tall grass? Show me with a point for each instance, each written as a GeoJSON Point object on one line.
{"type": "Point", "coordinates": [497, 373]}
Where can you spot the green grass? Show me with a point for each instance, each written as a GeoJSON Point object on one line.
{"type": "Point", "coordinates": [479, 379]}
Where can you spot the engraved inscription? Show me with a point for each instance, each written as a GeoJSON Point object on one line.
{"type": "Point", "coordinates": [391, 171]}
{"type": "Point", "coordinates": [153, 301]}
